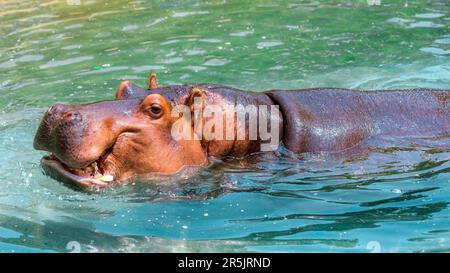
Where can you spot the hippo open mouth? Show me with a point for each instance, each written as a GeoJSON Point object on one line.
{"type": "Point", "coordinates": [80, 143]}
{"type": "Point", "coordinates": [91, 175]}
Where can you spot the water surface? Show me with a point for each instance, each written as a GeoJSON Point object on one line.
{"type": "Point", "coordinates": [394, 199]}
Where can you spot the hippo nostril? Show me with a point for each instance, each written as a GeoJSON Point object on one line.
{"type": "Point", "coordinates": [70, 115]}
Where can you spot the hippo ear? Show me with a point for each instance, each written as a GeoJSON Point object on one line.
{"type": "Point", "coordinates": [196, 103]}
{"type": "Point", "coordinates": [195, 98]}
{"type": "Point", "coordinates": [152, 81]}
{"type": "Point", "coordinates": [128, 90]}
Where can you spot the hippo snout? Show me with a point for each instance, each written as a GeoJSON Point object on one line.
{"type": "Point", "coordinates": [60, 129]}
{"type": "Point", "coordinates": [57, 116]}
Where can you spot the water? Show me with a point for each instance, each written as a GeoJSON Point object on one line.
{"type": "Point", "coordinates": [395, 199]}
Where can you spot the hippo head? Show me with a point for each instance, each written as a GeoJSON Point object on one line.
{"type": "Point", "coordinates": [111, 141]}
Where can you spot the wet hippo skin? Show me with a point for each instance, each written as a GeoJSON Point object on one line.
{"type": "Point", "coordinates": [130, 137]}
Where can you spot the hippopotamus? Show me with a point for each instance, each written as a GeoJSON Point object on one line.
{"type": "Point", "coordinates": [131, 137]}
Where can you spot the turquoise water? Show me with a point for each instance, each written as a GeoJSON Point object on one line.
{"type": "Point", "coordinates": [395, 199]}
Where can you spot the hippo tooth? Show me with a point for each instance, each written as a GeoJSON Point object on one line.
{"type": "Point", "coordinates": [106, 178]}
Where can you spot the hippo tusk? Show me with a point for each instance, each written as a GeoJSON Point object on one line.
{"type": "Point", "coordinates": [106, 178]}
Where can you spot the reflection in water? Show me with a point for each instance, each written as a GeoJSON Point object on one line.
{"type": "Point", "coordinates": [394, 197]}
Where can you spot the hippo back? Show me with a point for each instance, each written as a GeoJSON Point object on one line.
{"type": "Point", "coordinates": [336, 119]}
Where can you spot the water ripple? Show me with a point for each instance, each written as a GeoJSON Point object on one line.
{"type": "Point", "coordinates": [396, 196]}
{"type": "Point", "coordinates": [56, 63]}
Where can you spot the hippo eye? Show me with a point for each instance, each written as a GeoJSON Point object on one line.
{"type": "Point", "coordinates": [155, 110]}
